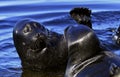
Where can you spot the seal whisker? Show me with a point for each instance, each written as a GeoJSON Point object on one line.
{"type": "Point", "coordinates": [43, 50]}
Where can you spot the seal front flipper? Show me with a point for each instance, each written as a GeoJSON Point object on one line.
{"type": "Point", "coordinates": [114, 70]}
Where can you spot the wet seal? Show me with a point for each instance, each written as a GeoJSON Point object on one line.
{"type": "Point", "coordinates": [39, 48]}
{"type": "Point", "coordinates": [82, 15]}
{"type": "Point", "coordinates": [116, 36]}
{"type": "Point", "coordinates": [86, 56]}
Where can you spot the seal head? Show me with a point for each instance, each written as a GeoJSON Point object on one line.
{"type": "Point", "coordinates": [83, 37]}
{"type": "Point", "coordinates": [38, 48]}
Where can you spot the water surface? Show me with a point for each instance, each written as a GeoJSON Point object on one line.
{"type": "Point", "coordinates": [55, 16]}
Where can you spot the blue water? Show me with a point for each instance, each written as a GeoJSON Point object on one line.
{"type": "Point", "coordinates": [55, 16]}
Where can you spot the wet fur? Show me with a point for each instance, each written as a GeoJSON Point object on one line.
{"type": "Point", "coordinates": [82, 15]}
{"type": "Point", "coordinates": [39, 49]}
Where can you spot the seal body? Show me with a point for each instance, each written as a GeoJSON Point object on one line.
{"type": "Point", "coordinates": [38, 47]}
{"type": "Point", "coordinates": [86, 56]}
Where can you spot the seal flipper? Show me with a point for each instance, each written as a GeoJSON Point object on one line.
{"type": "Point", "coordinates": [114, 70]}
{"type": "Point", "coordinates": [82, 15]}
{"type": "Point", "coordinates": [116, 36]}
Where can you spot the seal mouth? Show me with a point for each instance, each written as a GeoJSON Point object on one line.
{"type": "Point", "coordinates": [38, 45]}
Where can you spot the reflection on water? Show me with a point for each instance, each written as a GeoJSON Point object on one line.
{"type": "Point", "coordinates": [56, 18]}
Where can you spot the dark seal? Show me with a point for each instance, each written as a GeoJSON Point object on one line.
{"type": "Point", "coordinates": [86, 57]}
{"type": "Point", "coordinates": [116, 36]}
{"type": "Point", "coordinates": [39, 48]}
{"type": "Point", "coordinates": [82, 15]}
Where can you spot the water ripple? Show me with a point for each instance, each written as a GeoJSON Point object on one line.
{"type": "Point", "coordinates": [55, 17]}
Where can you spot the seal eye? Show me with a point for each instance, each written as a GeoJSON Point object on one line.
{"type": "Point", "coordinates": [37, 25]}
{"type": "Point", "coordinates": [27, 28]}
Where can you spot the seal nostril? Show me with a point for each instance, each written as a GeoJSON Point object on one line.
{"type": "Point", "coordinates": [38, 35]}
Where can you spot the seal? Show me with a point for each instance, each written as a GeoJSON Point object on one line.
{"type": "Point", "coordinates": [82, 15]}
{"type": "Point", "coordinates": [29, 73]}
{"type": "Point", "coordinates": [86, 56]}
{"type": "Point", "coordinates": [39, 48]}
{"type": "Point", "coordinates": [116, 36]}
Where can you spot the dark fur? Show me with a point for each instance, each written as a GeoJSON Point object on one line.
{"type": "Point", "coordinates": [82, 16]}
{"type": "Point", "coordinates": [116, 36]}
{"type": "Point", "coordinates": [86, 57]}
{"type": "Point", "coordinates": [38, 48]}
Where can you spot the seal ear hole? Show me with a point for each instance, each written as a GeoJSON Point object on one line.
{"type": "Point", "coordinates": [27, 28]}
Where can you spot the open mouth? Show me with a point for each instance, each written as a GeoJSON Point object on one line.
{"type": "Point", "coordinates": [38, 45]}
